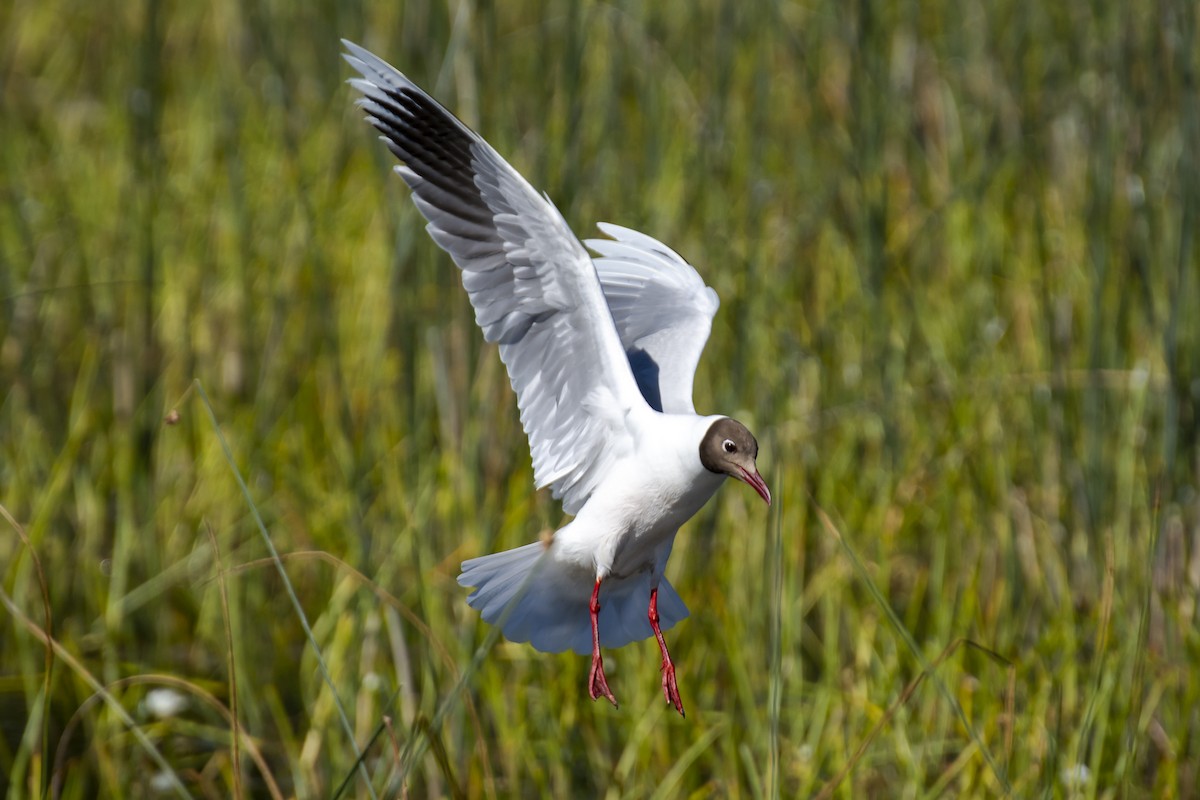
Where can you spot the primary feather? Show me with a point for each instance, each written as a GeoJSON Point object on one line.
{"type": "Point", "coordinates": [533, 286]}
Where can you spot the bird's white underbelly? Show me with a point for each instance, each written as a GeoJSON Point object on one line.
{"type": "Point", "coordinates": [632, 514]}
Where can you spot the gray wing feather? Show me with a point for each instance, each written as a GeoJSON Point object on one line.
{"type": "Point", "coordinates": [534, 288]}
{"type": "Point", "coordinates": [662, 310]}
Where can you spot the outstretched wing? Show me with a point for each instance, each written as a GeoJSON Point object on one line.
{"type": "Point", "coordinates": [533, 286]}
{"type": "Point", "coordinates": [662, 310]}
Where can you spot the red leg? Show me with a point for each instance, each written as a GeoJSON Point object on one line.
{"type": "Point", "coordinates": [597, 685]}
{"type": "Point", "coordinates": [670, 688]}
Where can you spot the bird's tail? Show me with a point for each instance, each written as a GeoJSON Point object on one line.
{"type": "Point", "coordinates": [551, 612]}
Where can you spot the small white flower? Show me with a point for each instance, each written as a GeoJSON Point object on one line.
{"type": "Point", "coordinates": [994, 330]}
{"type": "Point", "coordinates": [1140, 375]}
{"type": "Point", "coordinates": [851, 373]}
{"type": "Point", "coordinates": [1135, 190]}
{"type": "Point", "coordinates": [1076, 777]}
{"type": "Point", "coordinates": [162, 782]}
{"type": "Point", "coordinates": [164, 702]}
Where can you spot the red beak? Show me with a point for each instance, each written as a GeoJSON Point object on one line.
{"type": "Point", "coordinates": [755, 480]}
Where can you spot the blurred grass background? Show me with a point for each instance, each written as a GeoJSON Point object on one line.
{"type": "Point", "coordinates": [955, 244]}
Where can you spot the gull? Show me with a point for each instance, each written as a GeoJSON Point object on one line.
{"type": "Point", "coordinates": [601, 353]}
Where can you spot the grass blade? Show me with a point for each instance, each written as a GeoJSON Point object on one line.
{"type": "Point", "coordinates": [906, 637]}
{"type": "Point", "coordinates": [300, 615]}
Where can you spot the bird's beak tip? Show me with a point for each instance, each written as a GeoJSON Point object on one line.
{"type": "Point", "coordinates": [757, 483]}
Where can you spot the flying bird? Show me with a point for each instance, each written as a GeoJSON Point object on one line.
{"type": "Point", "coordinates": [601, 353]}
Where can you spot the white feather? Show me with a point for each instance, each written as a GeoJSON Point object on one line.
{"type": "Point", "coordinates": [662, 310]}
{"type": "Point", "coordinates": [551, 608]}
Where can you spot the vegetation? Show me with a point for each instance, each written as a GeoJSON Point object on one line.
{"type": "Point", "coordinates": [956, 249]}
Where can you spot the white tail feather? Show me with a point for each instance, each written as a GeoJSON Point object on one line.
{"type": "Point", "coordinates": [552, 613]}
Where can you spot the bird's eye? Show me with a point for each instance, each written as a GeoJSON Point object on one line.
{"type": "Point", "coordinates": [729, 446]}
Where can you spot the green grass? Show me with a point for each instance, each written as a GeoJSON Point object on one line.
{"type": "Point", "coordinates": [956, 251]}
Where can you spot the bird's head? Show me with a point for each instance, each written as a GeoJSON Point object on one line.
{"type": "Point", "coordinates": [728, 448]}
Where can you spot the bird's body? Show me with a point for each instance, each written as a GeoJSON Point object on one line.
{"type": "Point", "coordinates": [622, 535]}
{"type": "Point", "coordinates": [628, 523]}
{"type": "Point", "coordinates": [601, 354]}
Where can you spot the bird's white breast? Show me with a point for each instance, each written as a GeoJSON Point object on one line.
{"type": "Point", "coordinates": [643, 501]}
